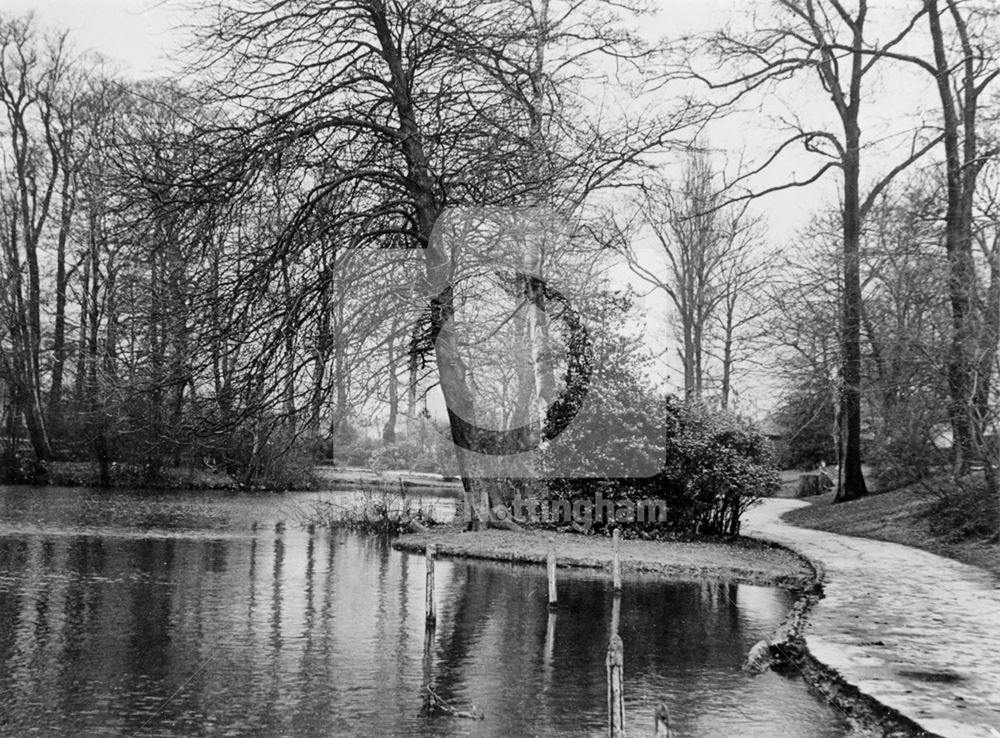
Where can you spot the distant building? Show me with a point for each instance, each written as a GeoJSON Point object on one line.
{"type": "Point", "coordinates": [777, 434]}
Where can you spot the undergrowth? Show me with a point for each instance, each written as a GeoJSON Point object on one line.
{"type": "Point", "coordinates": [963, 510]}
{"type": "Point", "coordinates": [375, 511]}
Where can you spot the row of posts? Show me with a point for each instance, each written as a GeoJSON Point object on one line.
{"type": "Point", "coordinates": [615, 660]}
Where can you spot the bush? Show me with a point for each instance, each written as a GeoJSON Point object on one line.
{"type": "Point", "coordinates": [394, 456]}
{"type": "Point", "coordinates": [433, 453]}
{"type": "Point", "coordinates": [963, 510]}
{"type": "Point", "coordinates": [354, 453]}
{"type": "Point", "coordinates": [405, 456]}
{"type": "Point", "coordinates": [717, 466]}
{"type": "Point", "coordinates": [376, 511]}
{"type": "Point", "coordinates": [905, 451]}
{"type": "Point", "coordinates": [257, 454]}
{"type": "Point", "coordinates": [807, 418]}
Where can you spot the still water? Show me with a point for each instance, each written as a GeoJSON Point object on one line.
{"type": "Point", "coordinates": [188, 614]}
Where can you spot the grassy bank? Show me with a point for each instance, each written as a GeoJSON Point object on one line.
{"type": "Point", "coordinates": [743, 560]}
{"type": "Point", "coordinates": [951, 523]}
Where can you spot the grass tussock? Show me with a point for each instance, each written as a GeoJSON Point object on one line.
{"type": "Point", "coordinates": [373, 511]}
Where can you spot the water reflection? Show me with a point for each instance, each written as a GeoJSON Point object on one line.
{"type": "Point", "coordinates": [216, 629]}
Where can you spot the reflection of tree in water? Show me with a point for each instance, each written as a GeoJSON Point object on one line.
{"type": "Point", "coordinates": [492, 649]}
{"type": "Point", "coordinates": [492, 646]}
{"type": "Point", "coordinates": [394, 656]}
{"type": "Point", "coordinates": [301, 634]}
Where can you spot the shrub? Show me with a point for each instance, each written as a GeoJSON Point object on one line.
{"type": "Point", "coordinates": [403, 457]}
{"type": "Point", "coordinates": [375, 511]}
{"type": "Point", "coordinates": [354, 452]}
{"type": "Point", "coordinates": [432, 453]}
{"type": "Point", "coordinates": [905, 451]}
{"type": "Point", "coordinates": [807, 418]}
{"type": "Point", "coordinates": [963, 509]}
{"type": "Point", "coordinates": [717, 466]}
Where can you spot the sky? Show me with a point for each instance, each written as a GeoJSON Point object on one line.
{"type": "Point", "coordinates": [141, 33]}
{"type": "Point", "coordinates": [137, 34]}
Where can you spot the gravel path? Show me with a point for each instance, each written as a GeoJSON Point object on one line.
{"type": "Point", "coordinates": [918, 632]}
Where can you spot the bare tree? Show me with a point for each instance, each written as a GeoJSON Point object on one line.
{"type": "Point", "coordinates": [986, 394]}
{"type": "Point", "coordinates": [963, 76]}
{"type": "Point", "coordinates": [739, 323]}
{"type": "Point", "coordinates": [40, 107]}
{"type": "Point", "coordinates": [429, 123]}
{"type": "Point", "coordinates": [829, 39]}
{"type": "Point", "coordinates": [712, 264]}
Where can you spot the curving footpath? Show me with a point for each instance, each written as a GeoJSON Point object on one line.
{"type": "Point", "coordinates": [919, 633]}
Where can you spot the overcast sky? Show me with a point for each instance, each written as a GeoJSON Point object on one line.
{"type": "Point", "coordinates": [141, 33]}
{"type": "Point", "coordinates": [133, 32]}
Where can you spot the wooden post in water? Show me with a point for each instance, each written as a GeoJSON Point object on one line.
{"type": "Point", "coordinates": [431, 611]}
{"type": "Point", "coordinates": [616, 562]}
{"type": "Point", "coordinates": [549, 648]}
{"type": "Point", "coordinates": [616, 694]}
{"type": "Point", "coordinates": [616, 612]}
{"type": "Point", "coordinates": [662, 718]}
{"type": "Point", "coordinates": [428, 660]}
{"type": "Point", "coordinates": [552, 580]}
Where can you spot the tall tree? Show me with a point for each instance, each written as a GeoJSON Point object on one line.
{"type": "Point", "coordinates": [39, 106]}
{"type": "Point", "coordinates": [963, 74]}
{"type": "Point", "coordinates": [417, 104]}
{"type": "Point", "coordinates": [830, 39]}
{"type": "Point", "coordinates": [711, 258]}
{"type": "Point", "coordinates": [961, 57]}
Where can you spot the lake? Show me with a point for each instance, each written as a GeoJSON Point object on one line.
{"type": "Point", "coordinates": [204, 613]}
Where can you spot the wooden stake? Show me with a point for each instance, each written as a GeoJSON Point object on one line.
{"type": "Point", "coordinates": [616, 694]}
{"type": "Point", "coordinates": [550, 645]}
{"type": "Point", "coordinates": [431, 611]}
{"type": "Point", "coordinates": [616, 612]}
{"type": "Point", "coordinates": [428, 660]}
{"type": "Point", "coordinates": [552, 580]}
{"type": "Point", "coordinates": [616, 563]}
{"type": "Point", "coordinates": [662, 718]}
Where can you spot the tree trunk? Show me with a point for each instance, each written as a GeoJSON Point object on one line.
{"type": "Point", "coordinates": [525, 379]}
{"type": "Point", "coordinates": [853, 485]}
{"type": "Point", "coordinates": [59, 325]}
{"type": "Point", "coordinates": [534, 257]}
{"type": "Point", "coordinates": [289, 348]}
{"type": "Point", "coordinates": [538, 331]}
{"type": "Point", "coordinates": [962, 167]}
{"type": "Point", "coordinates": [727, 354]}
{"type": "Point", "coordinates": [420, 183]}
{"type": "Point", "coordinates": [321, 354]}
{"type": "Point", "coordinates": [389, 430]}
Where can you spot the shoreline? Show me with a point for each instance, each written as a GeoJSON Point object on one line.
{"type": "Point", "coordinates": [880, 644]}
{"type": "Point", "coordinates": [790, 654]}
{"type": "Point", "coordinates": [743, 561]}
{"type": "Point", "coordinates": [753, 560]}
{"type": "Point", "coordinates": [126, 476]}
{"type": "Point", "coordinates": [195, 477]}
